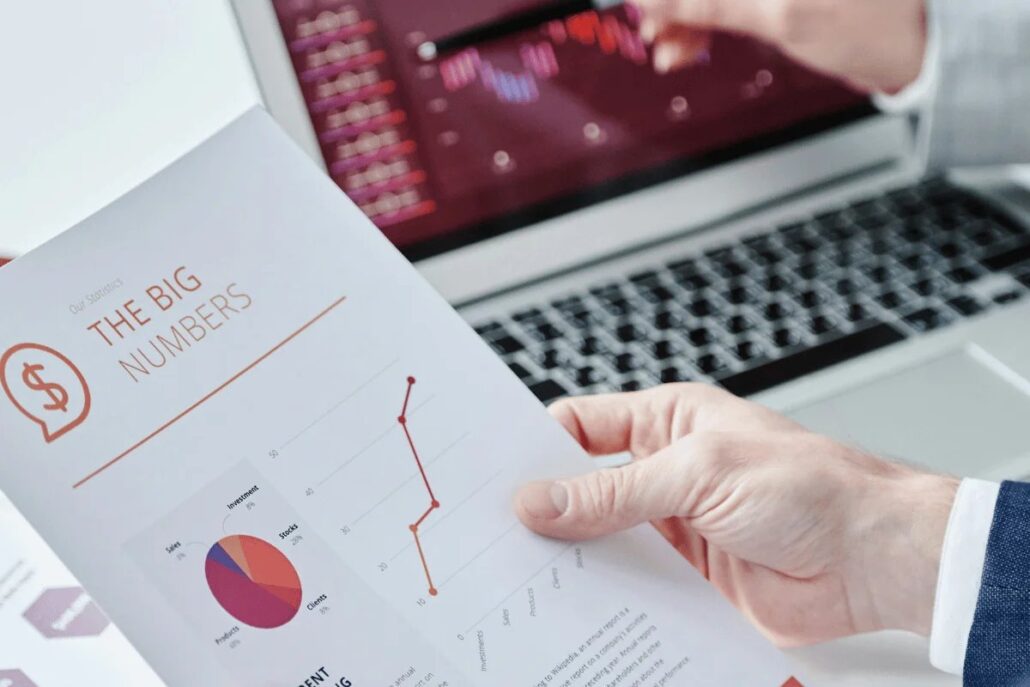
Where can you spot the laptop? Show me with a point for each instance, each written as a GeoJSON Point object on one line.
{"type": "Point", "coordinates": [743, 222]}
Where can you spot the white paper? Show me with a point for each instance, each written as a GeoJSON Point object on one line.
{"type": "Point", "coordinates": [228, 473]}
{"type": "Point", "coordinates": [51, 633]}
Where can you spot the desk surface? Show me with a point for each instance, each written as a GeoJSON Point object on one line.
{"type": "Point", "coordinates": [887, 659]}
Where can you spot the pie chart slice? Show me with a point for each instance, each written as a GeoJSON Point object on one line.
{"type": "Point", "coordinates": [253, 581]}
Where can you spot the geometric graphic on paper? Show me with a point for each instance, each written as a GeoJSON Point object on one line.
{"type": "Point", "coordinates": [793, 682]}
{"type": "Point", "coordinates": [15, 678]}
{"type": "Point", "coordinates": [253, 581]}
{"type": "Point", "coordinates": [66, 612]}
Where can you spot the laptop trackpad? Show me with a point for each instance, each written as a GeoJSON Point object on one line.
{"type": "Point", "coordinates": [962, 413]}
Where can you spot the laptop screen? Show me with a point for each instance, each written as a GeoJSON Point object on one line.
{"type": "Point", "coordinates": [525, 127]}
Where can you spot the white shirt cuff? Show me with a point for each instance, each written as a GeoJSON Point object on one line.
{"type": "Point", "coordinates": [920, 92]}
{"type": "Point", "coordinates": [962, 564]}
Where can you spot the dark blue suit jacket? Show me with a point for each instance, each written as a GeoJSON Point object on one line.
{"type": "Point", "coordinates": [999, 642]}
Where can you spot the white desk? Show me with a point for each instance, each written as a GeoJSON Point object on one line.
{"type": "Point", "coordinates": [102, 96]}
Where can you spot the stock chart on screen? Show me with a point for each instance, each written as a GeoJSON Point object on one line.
{"type": "Point", "coordinates": [529, 125]}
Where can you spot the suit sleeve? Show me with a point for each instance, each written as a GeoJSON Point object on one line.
{"type": "Point", "coordinates": [998, 651]}
{"type": "Point", "coordinates": [980, 110]}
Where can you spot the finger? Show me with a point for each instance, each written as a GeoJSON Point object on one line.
{"type": "Point", "coordinates": [668, 56]}
{"type": "Point", "coordinates": [644, 422]}
{"type": "Point", "coordinates": [604, 501]}
{"type": "Point", "coordinates": [680, 47]}
{"type": "Point", "coordinates": [745, 16]}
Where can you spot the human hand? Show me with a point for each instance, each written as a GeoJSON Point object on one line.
{"type": "Point", "coordinates": [812, 540]}
{"type": "Point", "coordinates": [876, 45]}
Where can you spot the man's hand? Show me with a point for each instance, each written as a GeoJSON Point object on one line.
{"type": "Point", "coordinates": [810, 539]}
{"type": "Point", "coordinates": [876, 45]}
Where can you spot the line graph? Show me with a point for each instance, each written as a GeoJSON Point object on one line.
{"type": "Point", "coordinates": [402, 419]}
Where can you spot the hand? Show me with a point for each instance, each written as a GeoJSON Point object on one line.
{"type": "Point", "coordinates": [812, 540]}
{"type": "Point", "coordinates": [876, 45]}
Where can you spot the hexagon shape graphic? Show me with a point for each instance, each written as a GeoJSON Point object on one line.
{"type": "Point", "coordinates": [15, 678]}
{"type": "Point", "coordinates": [66, 612]}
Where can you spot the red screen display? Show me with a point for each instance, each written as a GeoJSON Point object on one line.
{"type": "Point", "coordinates": [527, 126]}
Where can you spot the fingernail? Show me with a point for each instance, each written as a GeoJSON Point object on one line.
{"type": "Point", "coordinates": [544, 500]}
{"type": "Point", "coordinates": [647, 31]}
{"type": "Point", "coordinates": [663, 56]}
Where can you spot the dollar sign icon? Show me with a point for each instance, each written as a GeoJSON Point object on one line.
{"type": "Point", "coordinates": [57, 393]}
{"type": "Point", "coordinates": [46, 387]}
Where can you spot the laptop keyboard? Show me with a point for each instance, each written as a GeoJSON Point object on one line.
{"type": "Point", "coordinates": [778, 305]}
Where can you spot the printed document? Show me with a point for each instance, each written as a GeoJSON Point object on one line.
{"type": "Point", "coordinates": [274, 456]}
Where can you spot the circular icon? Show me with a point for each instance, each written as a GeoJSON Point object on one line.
{"type": "Point", "coordinates": [46, 387]}
{"type": "Point", "coordinates": [253, 581]}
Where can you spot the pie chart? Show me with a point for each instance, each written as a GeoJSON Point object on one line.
{"type": "Point", "coordinates": [253, 581]}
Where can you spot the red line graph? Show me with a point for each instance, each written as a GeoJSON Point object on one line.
{"type": "Point", "coordinates": [402, 419]}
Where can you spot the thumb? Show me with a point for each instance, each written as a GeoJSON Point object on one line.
{"type": "Point", "coordinates": [606, 501]}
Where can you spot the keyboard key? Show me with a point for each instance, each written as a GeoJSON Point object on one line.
{"type": "Point", "coordinates": [775, 311]}
{"type": "Point", "coordinates": [711, 363]}
{"type": "Point", "coordinates": [548, 390]}
{"type": "Point", "coordinates": [949, 250]}
{"type": "Point", "coordinates": [666, 319]}
{"type": "Point", "coordinates": [631, 385]}
{"type": "Point", "coordinates": [646, 277]}
{"type": "Point", "coordinates": [786, 337]}
{"type": "Point", "coordinates": [738, 294]}
{"type": "Point", "coordinates": [506, 345]}
{"type": "Point", "coordinates": [926, 287]}
{"type": "Point", "coordinates": [808, 270]}
{"type": "Point", "coordinates": [811, 360]}
{"type": "Point", "coordinates": [672, 374]}
{"type": "Point", "coordinates": [965, 305]}
{"type": "Point", "coordinates": [857, 312]}
{"type": "Point", "coordinates": [591, 345]}
{"type": "Point", "coordinates": [657, 294]}
{"type": "Point", "coordinates": [489, 328]}
{"type": "Point", "coordinates": [617, 306]}
{"type": "Point", "coordinates": [846, 286]}
{"type": "Point", "coordinates": [963, 275]}
{"type": "Point", "coordinates": [810, 298]}
{"type": "Point", "coordinates": [528, 315]}
{"type": "Point", "coordinates": [588, 376]}
{"type": "Point", "coordinates": [890, 299]}
{"type": "Point", "coordinates": [663, 349]}
{"type": "Point", "coordinates": [738, 324]}
{"type": "Point", "coordinates": [700, 336]}
{"type": "Point", "coordinates": [626, 362]}
{"type": "Point", "coordinates": [702, 307]}
{"type": "Point", "coordinates": [629, 332]}
{"type": "Point", "coordinates": [926, 319]}
{"type": "Point", "coordinates": [1010, 258]}
{"type": "Point", "coordinates": [746, 351]}
{"type": "Point", "coordinates": [551, 358]}
{"type": "Point", "coordinates": [729, 269]}
{"type": "Point", "coordinates": [878, 273]}
{"type": "Point", "coordinates": [822, 324]}
{"type": "Point", "coordinates": [545, 332]}
{"type": "Point", "coordinates": [775, 282]}
{"type": "Point", "coordinates": [520, 370]}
